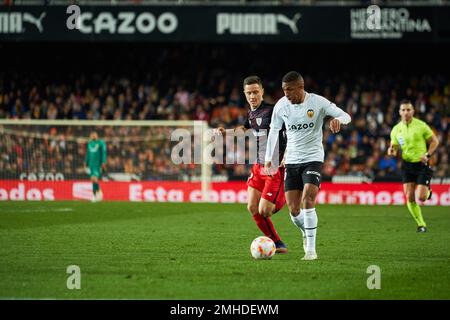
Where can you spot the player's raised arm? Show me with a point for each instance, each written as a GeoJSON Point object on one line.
{"type": "Point", "coordinates": [275, 126]}
{"type": "Point", "coordinates": [339, 115]}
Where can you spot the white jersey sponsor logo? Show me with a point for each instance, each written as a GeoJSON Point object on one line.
{"type": "Point", "coordinates": [260, 133]}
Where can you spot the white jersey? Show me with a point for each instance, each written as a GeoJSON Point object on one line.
{"type": "Point", "coordinates": [303, 127]}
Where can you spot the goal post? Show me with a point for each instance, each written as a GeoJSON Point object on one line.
{"type": "Point", "coordinates": [53, 151]}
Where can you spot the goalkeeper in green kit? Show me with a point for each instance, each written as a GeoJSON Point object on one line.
{"type": "Point", "coordinates": [95, 163]}
{"type": "Point", "coordinates": [417, 143]}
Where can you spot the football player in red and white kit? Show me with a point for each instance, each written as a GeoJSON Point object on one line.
{"type": "Point", "coordinates": [265, 192]}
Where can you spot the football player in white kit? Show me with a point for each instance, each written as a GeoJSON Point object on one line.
{"type": "Point", "coordinates": [303, 114]}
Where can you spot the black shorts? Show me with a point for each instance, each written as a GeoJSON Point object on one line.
{"type": "Point", "coordinates": [416, 172]}
{"type": "Point", "coordinates": [297, 175]}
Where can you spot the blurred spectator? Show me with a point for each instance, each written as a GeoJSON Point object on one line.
{"type": "Point", "coordinates": [387, 164]}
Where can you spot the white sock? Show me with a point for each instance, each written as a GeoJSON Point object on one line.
{"type": "Point", "coordinates": [299, 221]}
{"type": "Point", "coordinates": [310, 228]}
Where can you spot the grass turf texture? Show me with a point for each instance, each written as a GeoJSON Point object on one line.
{"type": "Point", "coordinates": [201, 251]}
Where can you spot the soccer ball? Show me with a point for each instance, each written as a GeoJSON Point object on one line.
{"type": "Point", "coordinates": [262, 248]}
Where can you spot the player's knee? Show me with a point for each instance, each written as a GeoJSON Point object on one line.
{"type": "Point", "coordinates": [294, 207]}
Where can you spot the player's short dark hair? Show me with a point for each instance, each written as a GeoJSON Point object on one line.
{"type": "Point", "coordinates": [292, 76]}
{"type": "Point", "coordinates": [406, 101]}
{"type": "Point", "coordinates": [252, 80]}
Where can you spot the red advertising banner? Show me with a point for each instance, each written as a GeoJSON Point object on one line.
{"type": "Point", "coordinates": [222, 192]}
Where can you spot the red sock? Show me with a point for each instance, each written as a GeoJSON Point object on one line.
{"type": "Point", "coordinates": [266, 226]}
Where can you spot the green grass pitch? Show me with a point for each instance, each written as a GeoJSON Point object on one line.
{"type": "Point", "coordinates": [201, 251]}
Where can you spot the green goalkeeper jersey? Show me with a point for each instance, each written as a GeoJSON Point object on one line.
{"type": "Point", "coordinates": [95, 153]}
{"type": "Point", "coordinates": [412, 138]}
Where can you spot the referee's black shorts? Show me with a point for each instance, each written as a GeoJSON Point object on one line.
{"type": "Point", "coordinates": [416, 172]}
{"type": "Point", "coordinates": [297, 175]}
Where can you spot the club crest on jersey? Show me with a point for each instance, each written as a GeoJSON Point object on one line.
{"type": "Point", "coordinates": [310, 113]}
{"type": "Point", "coordinates": [258, 121]}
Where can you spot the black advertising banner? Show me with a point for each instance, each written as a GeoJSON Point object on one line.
{"type": "Point", "coordinates": [225, 24]}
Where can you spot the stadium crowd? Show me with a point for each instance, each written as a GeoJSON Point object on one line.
{"type": "Point", "coordinates": [214, 94]}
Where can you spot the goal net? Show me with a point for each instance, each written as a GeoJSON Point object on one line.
{"type": "Point", "coordinates": [45, 159]}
